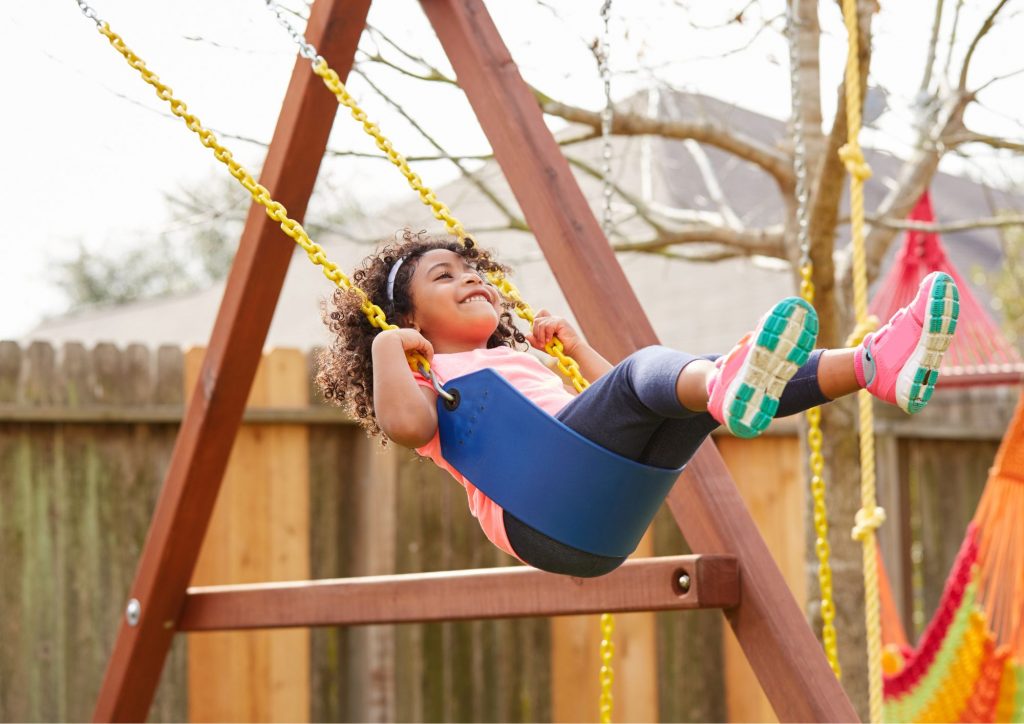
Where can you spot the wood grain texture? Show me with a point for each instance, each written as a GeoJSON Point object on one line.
{"type": "Point", "coordinates": [769, 477]}
{"type": "Point", "coordinates": [215, 410]}
{"type": "Point", "coordinates": [640, 585]}
{"type": "Point", "coordinates": [74, 508]}
{"type": "Point", "coordinates": [259, 532]}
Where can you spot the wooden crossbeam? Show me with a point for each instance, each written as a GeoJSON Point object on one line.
{"type": "Point", "coordinates": [215, 409]}
{"type": "Point", "coordinates": [649, 584]}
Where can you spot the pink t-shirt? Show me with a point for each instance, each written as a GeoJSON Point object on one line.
{"type": "Point", "coordinates": [527, 374]}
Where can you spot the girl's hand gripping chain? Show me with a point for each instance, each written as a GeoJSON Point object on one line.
{"type": "Point", "coordinates": [546, 326]}
{"type": "Point", "coordinates": [405, 411]}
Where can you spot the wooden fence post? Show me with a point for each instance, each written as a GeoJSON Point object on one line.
{"type": "Point", "coordinates": [259, 532]}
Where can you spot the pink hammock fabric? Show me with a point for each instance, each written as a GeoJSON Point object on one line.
{"type": "Point", "coordinates": [978, 347]}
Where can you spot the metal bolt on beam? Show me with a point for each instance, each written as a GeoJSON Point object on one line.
{"type": "Point", "coordinates": [133, 611]}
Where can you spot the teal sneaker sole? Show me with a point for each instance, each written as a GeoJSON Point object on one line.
{"type": "Point", "coordinates": [916, 382]}
{"type": "Point", "coordinates": [782, 343]}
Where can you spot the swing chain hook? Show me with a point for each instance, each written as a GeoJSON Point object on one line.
{"type": "Point", "coordinates": [443, 393]}
{"type": "Point", "coordinates": [306, 49]}
{"type": "Point", "coordinates": [88, 12]}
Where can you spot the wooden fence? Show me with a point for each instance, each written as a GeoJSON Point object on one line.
{"type": "Point", "coordinates": [85, 438]}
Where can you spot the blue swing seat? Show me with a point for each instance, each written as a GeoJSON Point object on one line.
{"type": "Point", "coordinates": [544, 473]}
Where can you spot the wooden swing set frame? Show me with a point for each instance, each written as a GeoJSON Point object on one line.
{"type": "Point", "coordinates": [732, 568]}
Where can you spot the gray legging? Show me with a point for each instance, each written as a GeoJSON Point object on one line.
{"type": "Point", "coordinates": [633, 410]}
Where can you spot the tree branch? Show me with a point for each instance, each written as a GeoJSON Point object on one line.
{"type": "Point", "coordinates": [773, 161]}
{"type": "Point", "coordinates": [960, 138]}
{"type": "Point", "coordinates": [769, 241]}
{"type": "Point", "coordinates": [933, 43]}
{"type": "Point", "coordinates": [982, 32]}
{"type": "Point", "coordinates": [1008, 220]}
{"type": "Point", "coordinates": [996, 79]}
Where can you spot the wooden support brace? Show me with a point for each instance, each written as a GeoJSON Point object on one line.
{"type": "Point", "coordinates": [215, 410]}
{"type": "Point", "coordinates": [768, 623]}
{"type": "Point", "coordinates": [650, 584]}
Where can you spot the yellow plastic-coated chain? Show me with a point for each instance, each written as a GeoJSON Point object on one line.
{"type": "Point", "coordinates": [276, 211]}
{"type": "Point", "coordinates": [332, 80]}
{"type": "Point", "coordinates": [607, 674]}
{"type": "Point", "coordinates": [822, 549]}
{"type": "Point", "coordinates": [870, 515]}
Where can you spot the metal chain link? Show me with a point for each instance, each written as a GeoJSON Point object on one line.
{"type": "Point", "coordinates": [606, 120]}
{"type": "Point", "coordinates": [88, 12]}
{"type": "Point", "coordinates": [566, 364]}
{"type": "Point", "coordinates": [607, 673]}
{"type": "Point", "coordinates": [816, 460]}
{"type": "Point", "coordinates": [306, 50]}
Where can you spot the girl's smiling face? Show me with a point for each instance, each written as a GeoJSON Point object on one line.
{"type": "Point", "coordinates": [453, 306]}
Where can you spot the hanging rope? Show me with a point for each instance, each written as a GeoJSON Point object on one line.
{"type": "Point", "coordinates": [816, 461]}
{"type": "Point", "coordinates": [870, 516]}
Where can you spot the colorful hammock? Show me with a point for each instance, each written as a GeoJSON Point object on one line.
{"type": "Point", "coordinates": [967, 666]}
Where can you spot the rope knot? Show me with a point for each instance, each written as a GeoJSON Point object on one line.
{"type": "Point", "coordinates": [853, 159]}
{"type": "Point", "coordinates": [862, 330]}
{"type": "Point", "coordinates": [867, 522]}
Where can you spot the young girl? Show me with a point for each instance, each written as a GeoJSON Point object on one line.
{"type": "Point", "coordinates": [655, 407]}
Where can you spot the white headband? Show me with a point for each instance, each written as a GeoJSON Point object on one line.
{"type": "Point", "coordinates": [391, 278]}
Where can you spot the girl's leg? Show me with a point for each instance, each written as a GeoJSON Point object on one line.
{"type": "Point", "coordinates": [622, 411]}
{"type": "Point", "coordinates": [635, 411]}
{"type": "Point", "coordinates": [674, 441]}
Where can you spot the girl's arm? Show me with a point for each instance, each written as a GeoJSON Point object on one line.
{"type": "Point", "coordinates": [546, 326]}
{"type": "Point", "coordinates": [405, 411]}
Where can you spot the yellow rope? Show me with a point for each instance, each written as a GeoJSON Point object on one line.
{"type": "Point", "coordinates": [870, 516]}
{"type": "Point", "coordinates": [816, 461]}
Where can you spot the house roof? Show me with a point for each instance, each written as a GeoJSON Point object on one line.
{"type": "Point", "coordinates": [699, 307]}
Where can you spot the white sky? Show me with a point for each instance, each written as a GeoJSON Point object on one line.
{"type": "Point", "coordinates": [89, 152]}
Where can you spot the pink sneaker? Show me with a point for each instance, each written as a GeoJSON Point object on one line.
{"type": "Point", "coordinates": [745, 390]}
{"type": "Point", "coordinates": [900, 362]}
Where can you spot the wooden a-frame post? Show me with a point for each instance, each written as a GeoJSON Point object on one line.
{"type": "Point", "coordinates": [768, 623]}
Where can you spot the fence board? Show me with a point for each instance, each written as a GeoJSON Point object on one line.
{"type": "Point", "coordinates": [74, 508]}
{"type": "Point", "coordinates": [77, 489]}
{"type": "Point", "coordinates": [691, 682]}
{"type": "Point", "coordinates": [768, 475]}
{"type": "Point", "coordinates": [949, 477]}
{"type": "Point", "coordinates": [259, 531]}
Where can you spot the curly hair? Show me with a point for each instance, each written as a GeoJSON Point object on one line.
{"type": "Point", "coordinates": [345, 368]}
